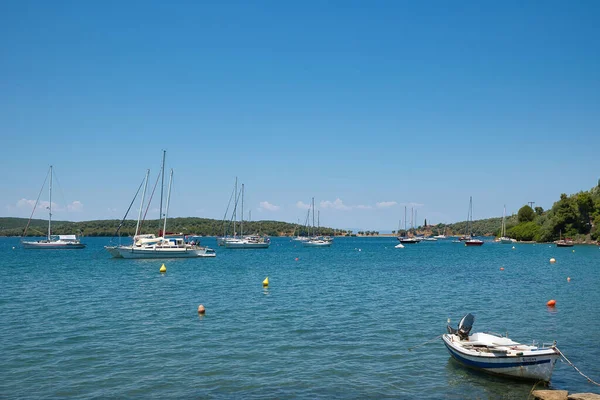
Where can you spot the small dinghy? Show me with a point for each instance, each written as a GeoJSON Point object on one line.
{"type": "Point", "coordinates": [498, 354]}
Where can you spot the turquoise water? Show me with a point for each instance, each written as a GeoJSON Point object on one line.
{"type": "Point", "coordinates": [337, 323]}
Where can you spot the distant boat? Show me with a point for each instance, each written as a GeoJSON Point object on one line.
{"type": "Point", "coordinates": [470, 241]}
{"type": "Point", "coordinates": [563, 242]}
{"type": "Point", "coordinates": [399, 246]}
{"type": "Point", "coordinates": [51, 241]}
{"type": "Point", "coordinates": [499, 355]}
{"type": "Point", "coordinates": [503, 238]}
{"type": "Point", "coordinates": [246, 242]}
{"type": "Point", "coordinates": [406, 239]}
{"type": "Point", "coordinates": [162, 247]}
{"type": "Point", "coordinates": [430, 239]}
{"type": "Point", "coordinates": [317, 241]}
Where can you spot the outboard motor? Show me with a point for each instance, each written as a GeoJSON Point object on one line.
{"type": "Point", "coordinates": [464, 327]}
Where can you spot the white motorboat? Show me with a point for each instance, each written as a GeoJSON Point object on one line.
{"type": "Point", "coordinates": [499, 355]}
{"type": "Point", "coordinates": [51, 241]}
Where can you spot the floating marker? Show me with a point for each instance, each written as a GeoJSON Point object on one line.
{"type": "Point", "coordinates": [201, 309]}
{"type": "Point", "coordinates": [568, 279]}
{"type": "Point", "coordinates": [13, 247]}
{"type": "Point", "coordinates": [296, 259]}
{"type": "Point", "coordinates": [573, 251]}
{"type": "Point", "coordinates": [163, 269]}
{"type": "Point", "coordinates": [551, 303]}
{"type": "Point", "coordinates": [513, 247]}
{"type": "Point", "coordinates": [266, 282]}
{"type": "Point", "coordinates": [501, 268]}
{"type": "Point", "coordinates": [552, 261]}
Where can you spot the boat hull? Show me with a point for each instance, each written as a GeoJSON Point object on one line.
{"type": "Point", "coordinates": [530, 365]}
{"type": "Point", "coordinates": [473, 243]}
{"type": "Point", "coordinates": [317, 243]}
{"type": "Point", "coordinates": [130, 252]}
{"type": "Point", "coordinates": [52, 246]}
{"type": "Point", "coordinates": [236, 245]}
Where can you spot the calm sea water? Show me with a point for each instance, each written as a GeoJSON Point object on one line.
{"type": "Point", "coordinates": [337, 323]}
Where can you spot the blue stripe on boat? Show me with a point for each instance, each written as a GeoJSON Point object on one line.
{"type": "Point", "coordinates": [480, 364]}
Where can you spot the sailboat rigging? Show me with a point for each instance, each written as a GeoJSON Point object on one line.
{"type": "Point", "coordinates": [51, 241]}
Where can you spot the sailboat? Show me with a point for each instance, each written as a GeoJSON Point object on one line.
{"type": "Point", "coordinates": [563, 242]}
{"type": "Point", "coordinates": [163, 246]}
{"type": "Point", "coordinates": [316, 241]}
{"type": "Point", "coordinates": [471, 241]}
{"type": "Point", "coordinates": [408, 240]}
{"type": "Point", "coordinates": [503, 238]}
{"type": "Point", "coordinates": [221, 240]}
{"type": "Point", "coordinates": [51, 241]}
{"type": "Point", "coordinates": [249, 241]}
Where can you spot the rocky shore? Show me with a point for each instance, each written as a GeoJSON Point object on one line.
{"type": "Point", "coordinates": [563, 395]}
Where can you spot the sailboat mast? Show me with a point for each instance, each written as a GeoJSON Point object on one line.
{"type": "Point", "coordinates": [242, 223]}
{"type": "Point", "coordinates": [313, 207]}
{"type": "Point", "coordinates": [137, 227]}
{"type": "Point", "coordinates": [405, 220]}
{"type": "Point", "coordinates": [50, 206]}
{"type": "Point", "coordinates": [162, 186]}
{"type": "Point", "coordinates": [503, 221]}
{"type": "Point", "coordinates": [235, 209]}
{"type": "Point", "coordinates": [167, 207]}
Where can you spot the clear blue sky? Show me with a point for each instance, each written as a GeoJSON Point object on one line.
{"type": "Point", "coordinates": [367, 106]}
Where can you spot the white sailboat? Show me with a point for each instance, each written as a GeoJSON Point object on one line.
{"type": "Point", "coordinates": [316, 241]}
{"type": "Point", "coordinates": [249, 241]}
{"type": "Point", "coordinates": [51, 241]}
{"type": "Point", "coordinates": [470, 241]}
{"type": "Point", "coordinates": [163, 246]}
{"type": "Point", "coordinates": [503, 238]}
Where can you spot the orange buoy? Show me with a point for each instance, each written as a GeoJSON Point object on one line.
{"type": "Point", "coordinates": [296, 259]}
{"type": "Point", "coordinates": [201, 309]}
{"type": "Point", "coordinates": [551, 303]}
{"type": "Point", "coordinates": [552, 261]}
{"type": "Point", "coordinates": [501, 268]}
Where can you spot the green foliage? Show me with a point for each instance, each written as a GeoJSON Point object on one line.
{"type": "Point", "coordinates": [526, 231]}
{"type": "Point", "coordinates": [189, 226]}
{"type": "Point", "coordinates": [539, 211]}
{"type": "Point", "coordinates": [525, 214]}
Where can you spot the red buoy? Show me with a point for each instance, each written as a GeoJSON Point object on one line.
{"type": "Point", "coordinates": [501, 268]}
{"type": "Point", "coordinates": [551, 303]}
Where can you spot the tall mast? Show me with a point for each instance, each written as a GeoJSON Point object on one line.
{"type": "Point", "coordinates": [319, 222]}
{"type": "Point", "coordinates": [313, 207]}
{"type": "Point", "coordinates": [235, 209]}
{"type": "Point", "coordinates": [167, 208]}
{"type": "Point", "coordinates": [162, 186]}
{"type": "Point", "coordinates": [50, 206]}
{"type": "Point", "coordinates": [405, 221]}
{"type": "Point", "coordinates": [137, 227]}
{"type": "Point", "coordinates": [242, 223]}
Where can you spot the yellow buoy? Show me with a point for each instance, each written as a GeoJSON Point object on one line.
{"type": "Point", "coordinates": [163, 269]}
{"type": "Point", "coordinates": [201, 309]}
{"type": "Point", "coordinates": [266, 282]}
{"type": "Point", "coordinates": [552, 261]}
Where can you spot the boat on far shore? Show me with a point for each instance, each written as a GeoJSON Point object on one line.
{"type": "Point", "coordinates": [566, 242]}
